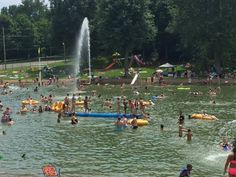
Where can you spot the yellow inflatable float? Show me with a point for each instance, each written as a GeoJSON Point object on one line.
{"type": "Point", "coordinates": [204, 117]}
{"type": "Point", "coordinates": [148, 103]}
{"type": "Point", "coordinates": [140, 122]}
{"type": "Point", "coordinates": [30, 102]}
{"type": "Point", "coordinates": [79, 103]}
{"type": "Point", "coordinates": [58, 106]}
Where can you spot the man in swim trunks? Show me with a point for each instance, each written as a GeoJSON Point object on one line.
{"type": "Point", "coordinates": [186, 171]}
{"type": "Point", "coordinates": [231, 163]}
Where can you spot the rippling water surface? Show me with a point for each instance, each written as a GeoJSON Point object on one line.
{"type": "Point", "coordinates": [95, 147]}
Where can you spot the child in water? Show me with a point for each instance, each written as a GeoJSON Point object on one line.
{"type": "Point", "coordinates": [186, 171]}
{"type": "Point", "coordinates": [189, 135]}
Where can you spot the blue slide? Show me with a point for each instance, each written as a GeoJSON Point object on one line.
{"type": "Point", "coordinates": [108, 115]}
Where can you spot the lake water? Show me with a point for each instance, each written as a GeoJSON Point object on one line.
{"type": "Point", "coordinates": [95, 147]}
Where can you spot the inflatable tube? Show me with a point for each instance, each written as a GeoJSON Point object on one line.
{"type": "Point", "coordinates": [107, 115]}
{"type": "Point", "coordinates": [30, 102]}
{"type": "Point", "coordinates": [183, 88]}
{"type": "Point", "coordinates": [79, 103]}
{"type": "Point", "coordinates": [140, 122]}
{"type": "Point", "coordinates": [203, 117]}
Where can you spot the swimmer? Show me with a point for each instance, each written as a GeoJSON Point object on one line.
{"type": "Point", "coordinates": [1, 105]}
{"type": "Point", "coordinates": [74, 119]}
{"type": "Point", "coordinates": [189, 135]}
{"type": "Point", "coordinates": [162, 127]}
{"type": "Point", "coordinates": [10, 122]}
{"type": "Point", "coordinates": [186, 171]}
{"type": "Point", "coordinates": [134, 123]}
{"type": "Point", "coordinates": [119, 123]}
{"type": "Point", "coordinates": [125, 122]}
{"type": "Point", "coordinates": [181, 130]}
{"type": "Point", "coordinates": [181, 118]}
{"type": "Point", "coordinates": [225, 145]}
{"type": "Point", "coordinates": [59, 117]}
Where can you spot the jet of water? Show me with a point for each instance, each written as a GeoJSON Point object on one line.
{"type": "Point", "coordinates": [83, 43]}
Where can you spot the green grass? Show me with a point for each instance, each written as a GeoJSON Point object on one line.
{"type": "Point", "coordinates": [62, 70]}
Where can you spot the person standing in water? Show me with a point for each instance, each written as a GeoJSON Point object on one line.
{"type": "Point", "coordinates": [189, 135]}
{"type": "Point", "coordinates": [162, 127]}
{"type": "Point", "coordinates": [230, 164]}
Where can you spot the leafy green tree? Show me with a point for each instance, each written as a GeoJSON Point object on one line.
{"type": "Point", "coordinates": [125, 25]}
{"type": "Point", "coordinates": [206, 29]}
{"type": "Point", "coordinates": [67, 17]}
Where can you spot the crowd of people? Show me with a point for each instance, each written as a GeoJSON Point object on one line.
{"type": "Point", "coordinates": [122, 105]}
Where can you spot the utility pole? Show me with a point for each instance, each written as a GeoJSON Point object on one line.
{"type": "Point", "coordinates": [4, 47]}
{"type": "Point", "coordinates": [40, 73]}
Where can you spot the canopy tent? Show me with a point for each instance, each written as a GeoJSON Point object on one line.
{"type": "Point", "coordinates": [167, 65]}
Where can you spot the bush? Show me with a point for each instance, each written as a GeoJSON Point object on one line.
{"type": "Point", "coordinates": [101, 62]}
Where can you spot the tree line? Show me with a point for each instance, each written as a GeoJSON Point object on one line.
{"type": "Point", "coordinates": [202, 32]}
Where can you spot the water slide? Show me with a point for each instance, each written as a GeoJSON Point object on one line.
{"type": "Point", "coordinates": [109, 66]}
{"type": "Point", "coordinates": [134, 79]}
{"type": "Point", "coordinates": [103, 115]}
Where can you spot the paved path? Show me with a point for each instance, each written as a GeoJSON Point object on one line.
{"type": "Point", "coordinates": [25, 64]}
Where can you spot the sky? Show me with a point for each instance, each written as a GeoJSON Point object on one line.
{"type": "Point", "coordinates": [6, 3]}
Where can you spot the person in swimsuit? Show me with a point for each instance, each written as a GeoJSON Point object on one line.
{"type": "Point", "coordinates": [162, 127]}
{"type": "Point", "coordinates": [186, 171]}
{"type": "Point", "coordinates": [74, 119]}
{"type": "Point", "coordinates": [225, 145]}
{"type": "Point", "coordinates": [230, 164]}
{"type": "Point", "coordinates": [134, 123]}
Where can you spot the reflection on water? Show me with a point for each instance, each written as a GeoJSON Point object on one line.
{"type": "Point", "coordinates": [96, 148]}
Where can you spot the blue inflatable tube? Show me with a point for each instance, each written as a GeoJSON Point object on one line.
{"type": "Point", "coordinates": [107, 115]}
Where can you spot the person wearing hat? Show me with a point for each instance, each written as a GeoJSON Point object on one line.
{"type": "Point", "coordinates": [186, 171]}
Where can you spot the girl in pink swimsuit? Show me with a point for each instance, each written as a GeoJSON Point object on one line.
{"type": "Point", "coordinates": [231, 163]}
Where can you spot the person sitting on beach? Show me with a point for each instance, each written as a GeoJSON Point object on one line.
{"type": "Point", "coordinates": [186, 171]}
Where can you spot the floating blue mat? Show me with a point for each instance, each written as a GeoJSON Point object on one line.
{"type": "Point", "coordinates": [108, 115]}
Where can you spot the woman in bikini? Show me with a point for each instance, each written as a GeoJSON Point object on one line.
{"type": "Point", "coordinates": [230, 164]}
